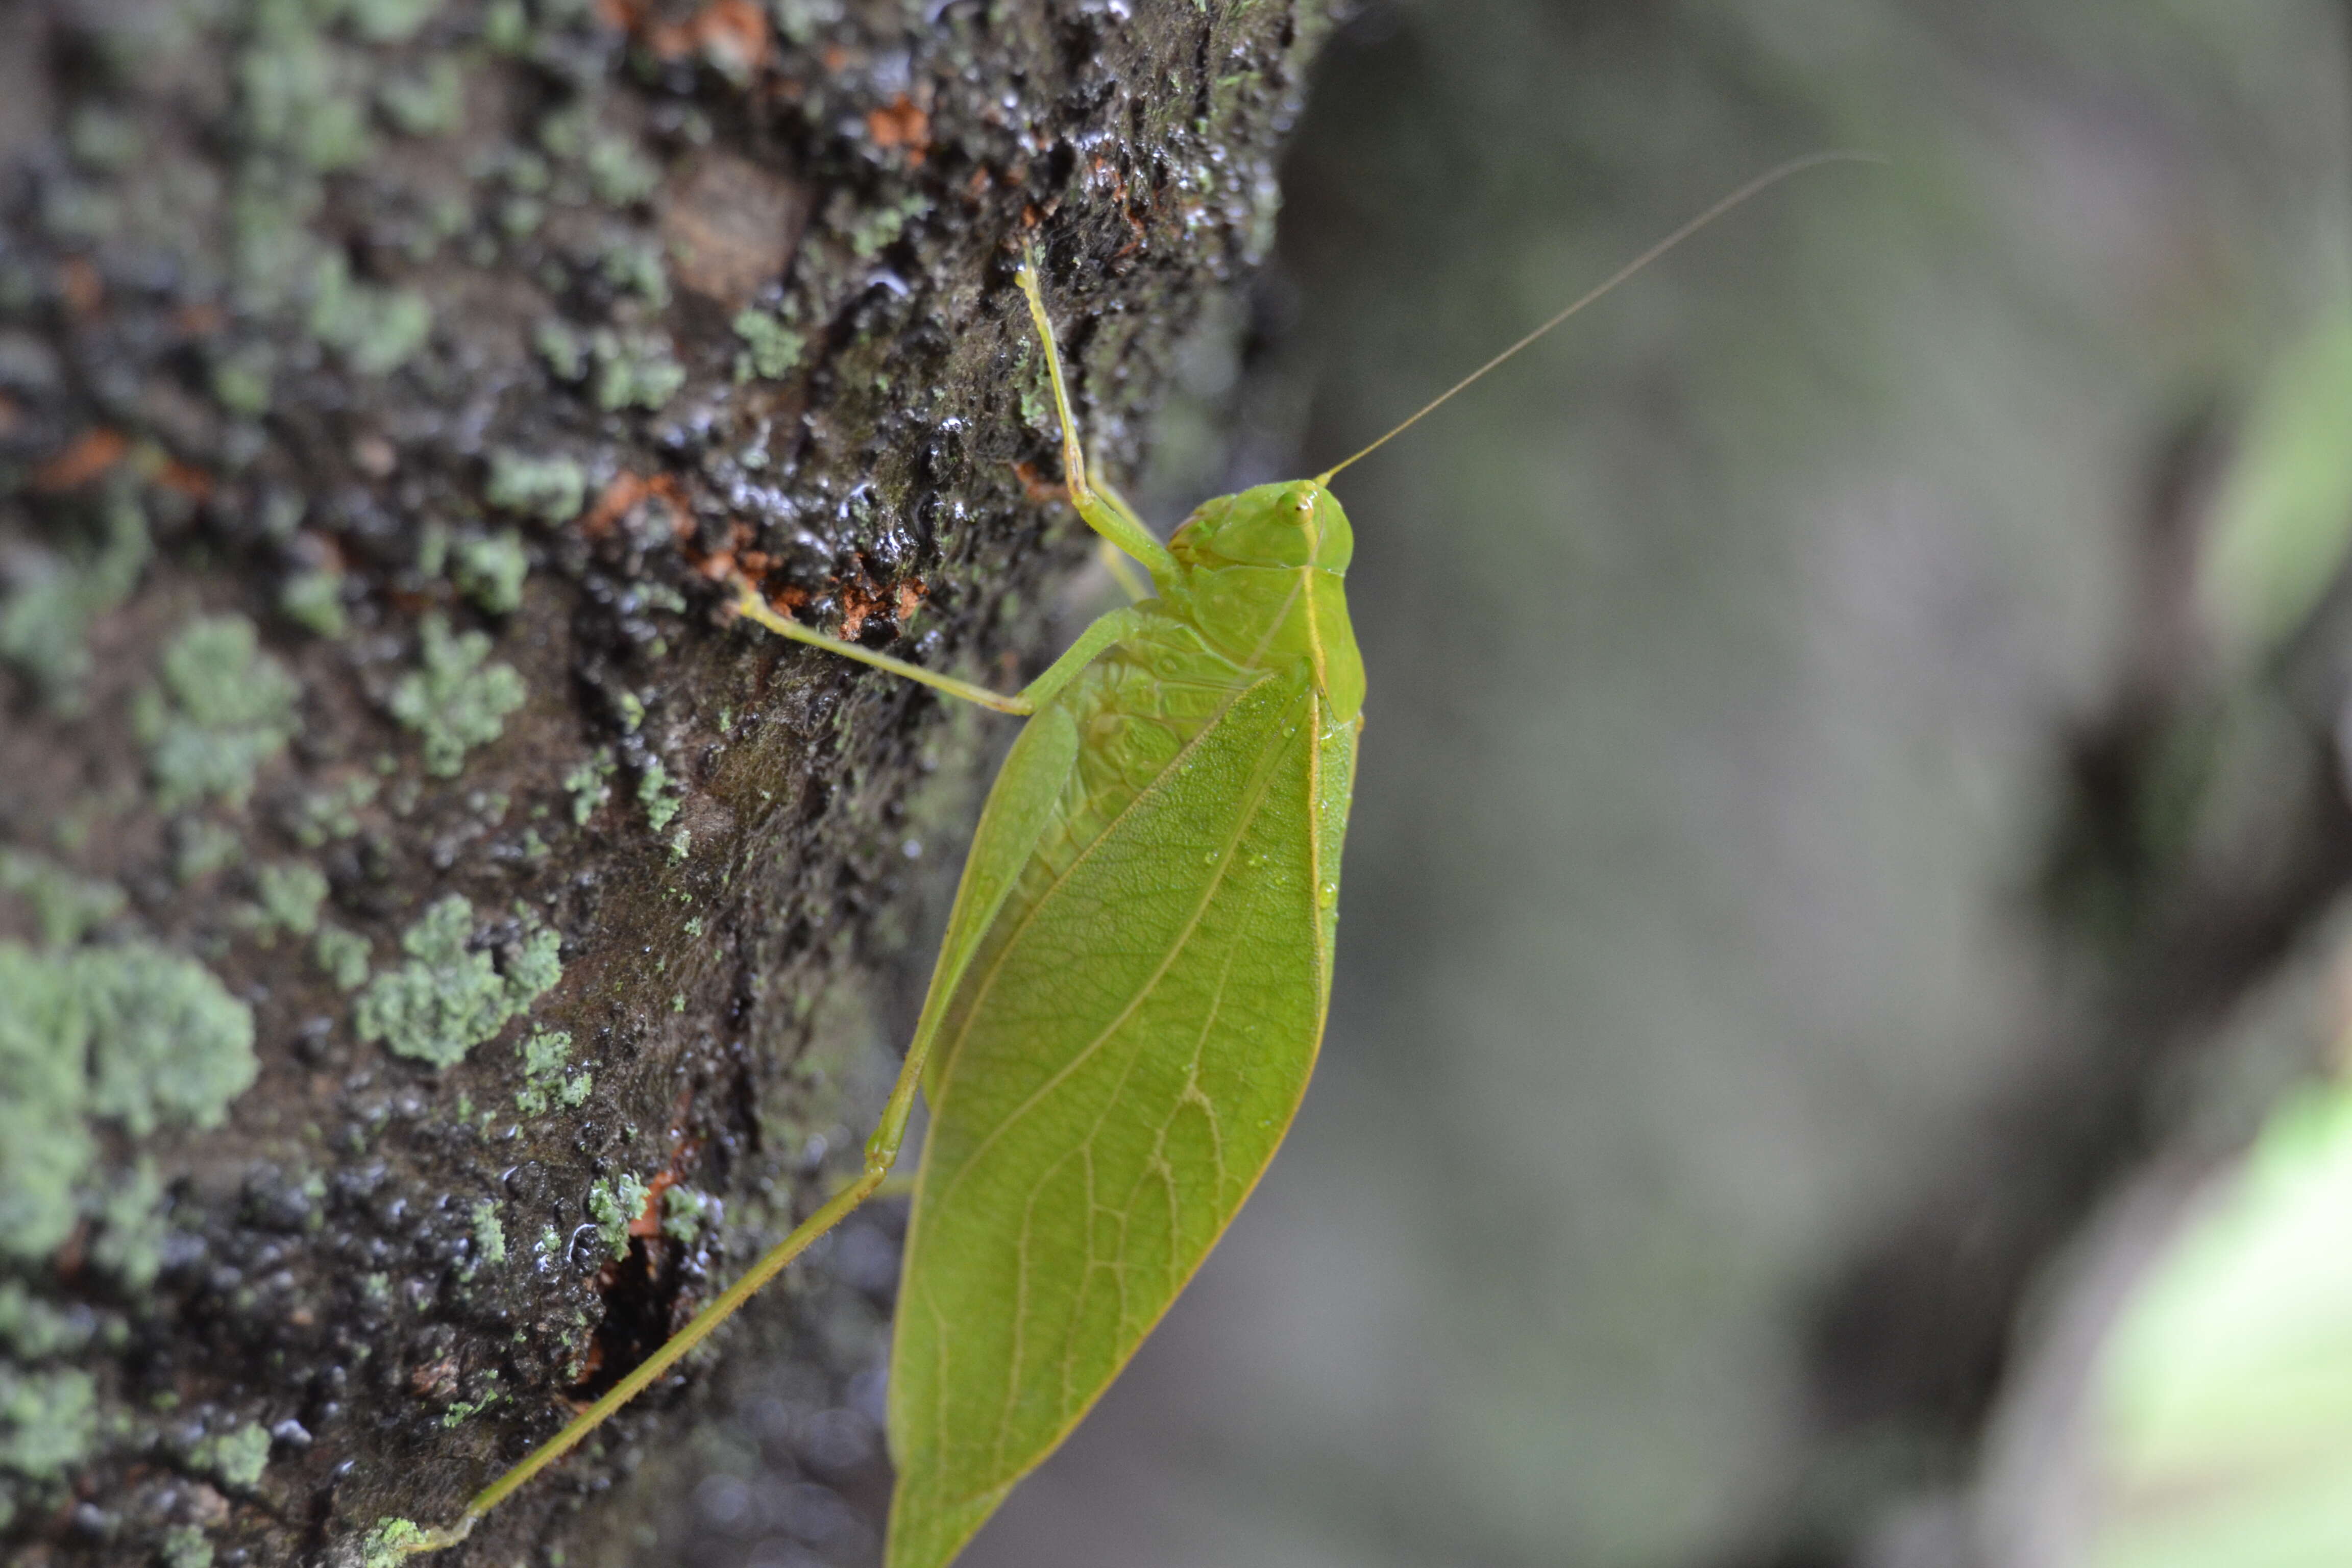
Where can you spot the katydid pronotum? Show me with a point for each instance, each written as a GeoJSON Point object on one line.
{"type": "Point", "coordinates": [1132, 988]}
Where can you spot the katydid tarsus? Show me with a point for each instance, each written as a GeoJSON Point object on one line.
{"type": "Point", "coordinates": [1132, 987]}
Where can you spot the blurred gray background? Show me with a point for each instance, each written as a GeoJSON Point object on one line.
{"type": "Point", "coordinates": [1721, 653]}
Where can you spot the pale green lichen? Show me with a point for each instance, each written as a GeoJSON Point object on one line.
{"type": "Point", "coordinates": [343, 954]}
{"type": "Point", "coordinates": [201, 846]}
{"type": "Point", "coordinates": [185, 1546]}
{"type": "Point", "coordinates": [552, 489]}
{"type": "Point", "coordinates": [489, 1236]}
{"type": "Point", "coordinates": [241, 379]}
{"type": "Point", "coordinates": [772, 350]}
{"type": "Point", "coordinates": [590, 785]}
{"type": "Point", "coordinates": [637, 268]}
{"type": "Point", "coordinates": [544, 1053]}
{"type": "Point", "coordinates": [48, 1421]}
{"type": "Point", "coordinates": [236, 1457]}
{"type": "Point", "coordinates": [130, 1228]}
{"type": "Point", "coordinates": [291, 893]}
{"type": "Point", "coordinates": [879, 227]}
{"type": "Point", "coordinates": [390, 21]}
{"type": "Point", "coordinates": [376, 331]}
{"type": "Point", "coordinates": [684, 1212]}
{"type": "Point", "coordinates": [65, 906]}
{"type": "Point", "coordinates": [449, 997]}
{"type": "Point", "coordinates": [132, 1033]}
{"type": "Point", "coordinates": [491, 571]}
{"type": "Point", "coordinates": [431, 103]}
{"type": "Point", "coordinates": [658, 793]}
{"type": "Point", "coordinates": [314, 601]}
{"type": "Point", "coordinates": [545, 1056]}
{"type": "Point", "coordinates": [465, 1410]}
{"type": "Point", "coordinates": [390, 1543]}
{"type": "Point", "coordinates": [332, 813]}
{"type": "Point", "coordinates": [459, 700]}
{"type": "Point", "coordinates": [296, 94]}
{"type": "Point", "coordinates": [433, 549]}
{"type": "Point", "coordinates": [619, 173]}
{"type": "Point", "coordinates": [506, 27]}
{"type": "Point", "coordinates": [45, 1142]}
{"type": "Point", "coordinates": [32, 1329]}
{"type": "Point", "coordinates": [101, 139]}
{"type": "Point", "coordinates": [166, 1042]}
{"type": "Point", "coordinates": [52, 597]}
{"type": "Point", "coordinates": [633, 371]}
{"type": "Point", "coordinates": [613, 1206]}
{"type": "Point", "coordinates": [565, 350]}
{"type": "Point", "coordinates": [223, 709]}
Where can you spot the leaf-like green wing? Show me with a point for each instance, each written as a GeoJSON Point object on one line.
{"type": "Point", "coordinates": [1125, 1054]}
{"type": "Point", "coordinates": [1021, 804]}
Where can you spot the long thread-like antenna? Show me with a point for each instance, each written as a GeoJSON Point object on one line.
{"type": "Point", "coordinates": [1756, 186]}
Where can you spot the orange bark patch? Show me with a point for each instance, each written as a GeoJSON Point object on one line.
{"type": "Point", "coordinates": [912, 595]}
{"type": "Point", "coordinates": [199, 321]}
{"type": "Point", "coordinates": [84, 289]}
{"type": "Point", "coordinates": [435, 1379]}
{"type": "Point", "coordinates": [625, 492]}
{"type": "Point", "coordinates": [90, 456]}
{"type": "Point", "coordinates": [1038, 488]}
{"type": "Point", "coordinates": [859, 604]}
{"type": "Point", "coordinates": [182, 480]}
{"type": "Point", "coordinates": [902, 123]}
{"type": "Point", "coordinates": [732, 35]}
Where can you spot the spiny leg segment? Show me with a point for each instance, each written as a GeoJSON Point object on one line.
{"type": "Point", "coordinates": [1108, 516]}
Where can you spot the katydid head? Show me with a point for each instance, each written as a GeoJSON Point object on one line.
{"type": "Point", "coordinates": [1264, 573]}
{"type": "Point", "coordinates": [1292, 524]}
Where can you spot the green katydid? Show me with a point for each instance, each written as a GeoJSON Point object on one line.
{"type": "Point", "coordinates": [1132, 988]}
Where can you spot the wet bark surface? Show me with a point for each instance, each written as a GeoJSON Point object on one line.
{"type": "Point", "coordinates": [432, 935]}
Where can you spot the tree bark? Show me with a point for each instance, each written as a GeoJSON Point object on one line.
{"type": "Point", "coordinates": [431, 934]}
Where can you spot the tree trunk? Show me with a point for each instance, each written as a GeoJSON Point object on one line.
{"type": "Point", "coordinates": [432, 934]}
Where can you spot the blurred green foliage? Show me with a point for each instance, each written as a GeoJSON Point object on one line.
{"type": "Point", "coordinates": [2224, 1401]}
